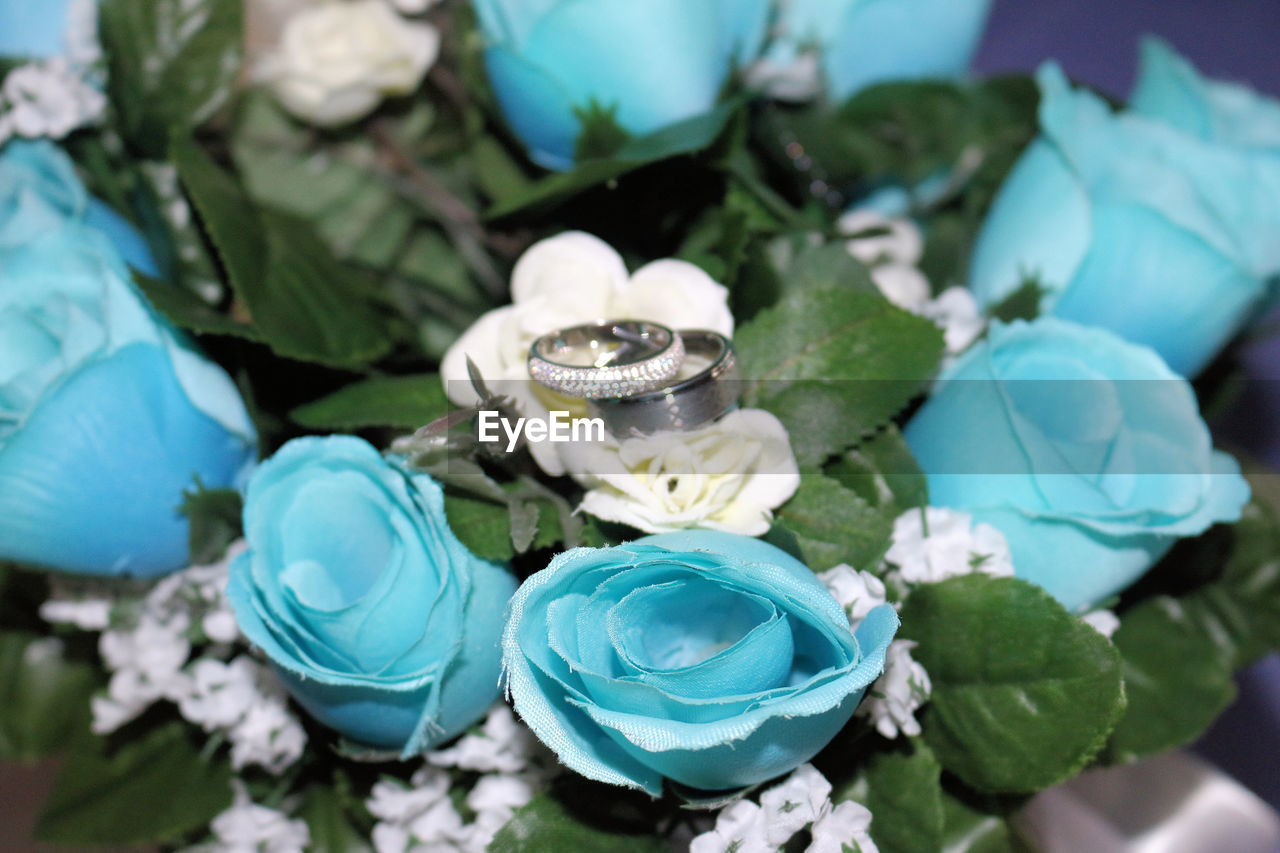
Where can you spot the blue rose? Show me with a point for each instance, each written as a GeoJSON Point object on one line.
{"type": "Point", "coordinates": [1086, 451]}
{"type": "Point", "coordinates": [1170, 90]}
{"type": "Point", "coordinates": [708, 658]}
{"type": "Point", "coordinates": [39, 190]}
{"type": "Point", "coordinates": [33, 28]}
{"type": "Point", "coordinates": [107, 415]}
{"type": "Point", "coordinates": [1133, 224]}
{"type": "Point", "coordinates": [656, 63]}
{"type": "Point", "coordinates": [863, 42]}
{"type": "Point", "coordinates": [379, 621]}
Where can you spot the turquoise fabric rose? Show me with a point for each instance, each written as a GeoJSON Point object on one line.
{"type": "Point", "coordinates": [863, 42]}
{"type": "Point", "coordinates": [714, 660]}
{"type": "Point", "coordinates": [39, 190]}
{"type": "Point", "coordinates": [33, 28]}
{"type": "Point", "coordinates": [107, 415]}
{"type": "Point", "coordinates": [1130, 222]}
{"type": "Point", "coordinates": [1086, 451]}
{"type": "Point", "coordinates": [656, 63]}
{"type": "Point", "coordinates": [378, 620]}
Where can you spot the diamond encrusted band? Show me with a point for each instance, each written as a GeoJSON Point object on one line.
{"type": "Point", "coordinates": [608, 359]}
{"type": "Point", "coordinates": [685, 405]}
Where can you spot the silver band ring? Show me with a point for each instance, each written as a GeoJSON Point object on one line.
{"type": "Point", "coordinates": [685, 405]}
{"type": "Point", "coordinates": [608, 359]}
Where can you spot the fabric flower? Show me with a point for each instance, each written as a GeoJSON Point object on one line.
{"type": "Point", "coordinates": [502, 745]}
{"type": "Point", "coordinates": [45, 29]}
{"type": "Point", "coordinates": [931, 544]}
{"type": "Point", "coordinates": [1087, 452]}
{"type": "Point", "coordinates": [249, 826]}
{"type": "Point", "coordinates": [892, 701]}
{"type": "Point", "coordinates": [649, 65]}
{"type": "Point", "coordinates": [729, 476]}
{"type": "Point", "coordinates": [378, 620]}
{"type": "Point", "coordinates": [107, 414]}
{"type": "Point", "coordinates": [1128, 222]}
{"type": "Point", "coordinates": [893, 260]}
{"type": "Point", "coordinates": [714, 660]}
{"type": "Point", "coordinates": [563, 281]}
{"type": "Point", "coordinates": [856, 43]}
{"type": "Point", "coordinates": [858, 592]}
{"type": "Point", "coordinates": [337, 61]}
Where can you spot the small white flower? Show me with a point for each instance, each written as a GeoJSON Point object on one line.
{"type": "Point", "coordinates": [904, 286]}
{"type": "Point", "coordinates": [220, 694]}
{"type": "Point", "coordinates": [247, 827]}
{"type": "Point", "coordinates": [80, 39]}
{"type": "Point", "coordinates": [336, 61]}
{"type": "Point", "coordinates": [503, 745]}
{"type": "Point", "coordinates": [739, 829]}
{"type": "Point", "coordinates": [844, 829]}
{"type": "Point", "coordinates": [956, 312]}
{"type": "Point", "coordinates": [891, 702]}
{"type": "Point", "coordinates": [220, 626]}
{"type": "Point", "coordinates": [858, 592]}
{"type": "Point", "coordinates": [728, 476]}
{"type": "Point", "coordinates": [563, 281]}
{"type": "Point", "coordinates": [1104, 622]}
{"type": "Point", "coordinates": [933, 543]}
{"type": "Point", "coordinates": [494, 799]}
{"type": "Point", "coordinates": [49, 98]}
{"type": "Point", "coordinates": [793, 805]}
{"type": "Point", "coordinates": [87, 614]}
{"type": "Point", "coordinates": [901, 243]}
{"type": "Point", "coordinates": [268, 736]}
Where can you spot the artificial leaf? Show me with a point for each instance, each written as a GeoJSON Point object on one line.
{"type": "Point", "coordinates": [834, 525]}
{"type": "Point", "coordinates": [549, 823]}
{"type": "Point", "coordinates": [904, 794]}
{"type": "Point", "coordinates": [213, 522]}
{"type": "Point", "coordinates": [188, 311]}
{"type": "Point", "coordinates": [1024, 693]}
{"type": "Point", "coordinates": [46, 696]}
{"type": "Point", "coordinates": [834, 365]}
{"type": "Point", "coordinates": [1022, 304]}
{"type": "Point", "coordinates": [330, 824]}
{"type": "Point", "coordinates": [683, 138]}
{"type": "Point", "coordinates": [151, 788]}
{"type": "Point", "coordinates": [883, 472]}
{"type": "Point", "coordinates": [483, 526]}
{"type": "Point", "coordinates": [406, 402]}
{"type": "Point", "coordinates": [1176, 681]}
{"type": "Point", "coordinates": [303, 303]}
{"type": "Point", "coordinates": [170, 64]}
{"type": "Point", "coordinates": [966, 829]}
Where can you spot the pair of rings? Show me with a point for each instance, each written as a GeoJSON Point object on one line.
{"type": "Point", "coordinates": [629, 373]}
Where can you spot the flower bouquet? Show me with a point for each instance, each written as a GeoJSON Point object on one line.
{"type": "Point", "coordinates": [594, 425]}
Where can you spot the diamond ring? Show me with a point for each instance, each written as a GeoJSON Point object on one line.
{"type": "Point", "coordinates": [707, 387]}
{"type": "Point", "coordinates": [608, 359]}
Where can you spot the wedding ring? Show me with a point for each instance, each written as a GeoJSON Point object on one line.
{"type": "Point", "coordinates": [610, 359]}
{"type": "Point", "coordinates": [689, 403]}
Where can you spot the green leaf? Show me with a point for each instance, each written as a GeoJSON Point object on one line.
{"type": "Point", "coordinates": [303, 303]}
{"type": "Point", "coordinates": [188, 311]}
{"type": "Point", "coordinates": [828, 267]}
{"type": "Point", "coordinates": [680, 139]}
{"type": "Point", "coordinates": [1024, 693]}
{"type": "Point", "coordinates": [547, 824]}
{"type": "Point", "coordinates": [483, 526]}
{"type": "Point", "coordinates": [904, 794]}
{"type": "Point", "coordinates": [46, 696]}
{"type": "Point", "coordinates": [834, 365]}
{"type": "Point", "coordinates": [213, 522]}
{"type": "Point", "coordinates": [883, 472]}
{"type": "Point", "coordinates": [332, 830]}
{"type": "Point", "coordinates": [170, 64]}
{"type": "Point", "coordinates": [1175, 680]}
{"type": "Point", "coordinates": [601, 136]}
{"type": "Point", "coordinates": [1022, 304]}
{"type": "Point", "coordinates": [151, 788]}
{"type": "Point", "coordinates": [405, 402]}
{"type": "Point", "coordinates": [834, 525]}
{"type": "Point", "coordinates": [970, 830]}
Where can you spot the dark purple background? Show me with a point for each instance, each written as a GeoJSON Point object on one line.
{"type": "Point", "coordinates": [1096, 42]}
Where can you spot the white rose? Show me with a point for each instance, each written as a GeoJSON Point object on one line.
{"type": "Point", "coordinates": [336, 61]}
{"type": "Point", "coordinates": [568, 280]}
{"type": "Point", "coordinates": [728, 476]}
